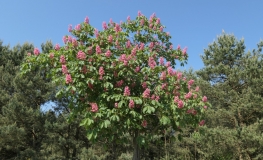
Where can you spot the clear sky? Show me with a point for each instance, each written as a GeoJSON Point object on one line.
{"type": "Point", "coordinates": [191, 23]}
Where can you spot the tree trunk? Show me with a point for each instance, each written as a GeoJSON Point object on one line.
{"type": "Point", "coordinates": [136, 152]}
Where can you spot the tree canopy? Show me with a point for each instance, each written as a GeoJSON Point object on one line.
{"type": "Point", "coordinates": [122, 80]}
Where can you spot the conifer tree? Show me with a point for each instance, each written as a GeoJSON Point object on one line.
{"type": "Point", "coordinates": [21, 119]}
{"type": "Point", "coordinates": [232, 79]}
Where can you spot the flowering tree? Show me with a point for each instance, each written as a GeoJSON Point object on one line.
{"type": "Point", "coordinates": [121, 79]}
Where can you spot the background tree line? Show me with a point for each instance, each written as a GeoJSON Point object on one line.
{"type": "Point", "coordinates": [231, 79]}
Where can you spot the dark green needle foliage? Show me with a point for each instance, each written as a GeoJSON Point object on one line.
{"type": "Point", "coordinates": [233, 80]}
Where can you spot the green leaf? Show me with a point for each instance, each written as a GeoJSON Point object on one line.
{"type": "Point", "coordinates": [145, 109]}
{"type": "Point", "coordinates": [133, 113]}
{"type": "Point", "coordinates": [151, 110]}
{"type": "Point", "coordinates": [148, 109]}
{"type": "Point", "coordinates": [128, 122]}
{"type": "Point", "coordinates": [106, 123]}
{"type": "Point", "coordinates": [138, 100]}
{"type": "Point", "coordinates": [90, 135]}
{"type": "Point", "coordinates": [165, 120]}
{"type": "Point", "coordinates": [83, 122]}
{"type": "Point", "coordinates": [153, 102]}
{"type": "Point", "coordinates": [115, 118]}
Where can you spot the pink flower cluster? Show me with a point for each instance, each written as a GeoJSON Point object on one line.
{"type": "Point", "coordinates": [161, 29]}
{"type": "Point", "coordinates": [168, 64]}
{"type": "Point", "coordinates": [98, 50]}
{"type": "Point", "coordinates": [201, 123]}
{"type": "Point", "coordinates": [78, 27]}
{"type": "Point", "coordinates": [146, 93]}
{"type": "Point", "coordinates": [117, 44]}
{"type": "Point", "coordinates": [180, 103]}
{"type": "Point", "coordinates": [101, 72]}
{"type": "Point", "coordinates": [70, 28]}
{"type": "Point", "coordinates": [179, 75]}
{"type": "Point", "coordinates": [126, 91]}
{"type": "Point", "coordinates": [62, 59]}
{"type": "Point", "coordinates": [96, 32]}
{"type": "Point", "coordinates": [151, 17]}
{"type": "Point", "coordinates": [57, 47]}
{"type": "Point", "coordinates": [188, 95]}
{"type": "Point", "coordinates": [170, 71]}
{"type": "Point", "coordinates": [164, 85]}
{"type": "Point", "coordinates": [158, 21]}
{"type": "Point", "coordinates": [65, 39]}
{"type": "Point", "coordinates": [84, 69]}
{"type": "Point", "coordinates": [139, 14]}
{"type": "Point", "coordinates": [86, 20]}
{"type": "Point", "coordinates": [117, 28]}
{"type": "Point", "coordinates": [144, 123]}
{"type": "Point", "coordinates": [204, 99]}
{"type": "Point", "coordinates": [128, 18]}
{"type": "Point", "coordinates": [64, 69]}
{"type": "Point", "coordinates": [125, 59]}
{"type": "Point", "coordinates": [178, 47]}
{"type": "Point", "coordinates": [191, 82]}
{"type": "Point", "coordinates": [108, 53]}
{"type": "Point", "coordinates": [128, 44]}
{"type": "Point", "coordinates": [94, 107]}
{"type": "Point", "coordinates": [184, 51]}
{"type": "Point", "coordinates": [163, 75]}
{"type": "Point", "coordinates": [133, 52]}
{"type": "Point", "coordinates": [36, 51]}
{"type": "Point", "coordinates": [51, 55]}
{"type": "Point", "coordinates": [154, 97]}
{"type": "Point", "coordinates": [151, 62]}
{"type": "Point", "coordinates": [110, 38]}
{"type": "Point", "coordinates": [104, 25]}
{"type": "Point", "coordinates": [142, 22]}
{"type": "Point", "coordinates": [119, 83]}
{"type": "Point", "coordinates": [111, 22]}
{"type": "Point", "coordinates": [74, 42]}
{"type": "Point", "coordinates": [144, 85]}
{"type": "Point", "coordinates": [161, 61]}
{"type": "Point", "coordinates": [151, 45]}
{"type": "Point", "coordinates": [137, 69]}
{"type": "Point", "coordinates": [131, 104]}
{"type": "Point", "coordinates": [81, 55]}
{"type": "Point", "coordinates": [141, 46]}
{"type": "Point", "coordinates": [191, 111]}
{"type": "Point", "coordinates": [68, 79]}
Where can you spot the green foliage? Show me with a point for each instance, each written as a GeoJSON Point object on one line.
{"type": "Point", "coordinates": [233, 79]}
{"type": "Point", "coordinates": [26, 132]}
{"type": "Point", "coordinates": [116, 80]}
{"type": "Point", "coordinates": [21, 133]}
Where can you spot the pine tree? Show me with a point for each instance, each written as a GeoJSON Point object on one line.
{"type": "Point", "coordinates": [21, 119]}
{"type": "Point", "coordinates": [232, 79]}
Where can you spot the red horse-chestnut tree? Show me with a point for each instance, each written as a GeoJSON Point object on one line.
{"type": "Point", "coordinates": [122, 80]}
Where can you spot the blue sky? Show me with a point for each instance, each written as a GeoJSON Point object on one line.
{"type": "Point", "coordinates": [191, 23]}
